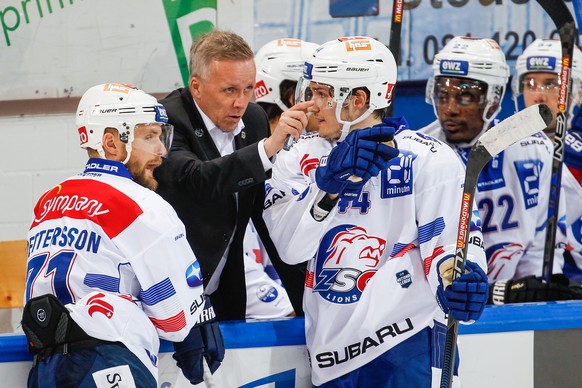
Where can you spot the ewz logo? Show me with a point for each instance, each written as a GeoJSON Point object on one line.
{"type": "Point", "coordinates": [541, 63]}
{"type": "Point", "coordinates": [347, 259]}
{"type": "Point", "coordinates": [448, 66]}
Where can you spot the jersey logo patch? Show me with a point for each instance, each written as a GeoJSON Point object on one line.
{"type": "Point", "coordinates": [404, 278]}
{"type": "Point", "coordinates": [267, 293]}
{"type": "Point", "coordinates": [491, 177]}
{"type": "Point", "coordinates": [397, 179]}
{"type": "Point", "coordinates": [194, 275]}
{"type": "Point", "coordinates": [347, 259]}
{"type": "Point", "coordinates": [529, 179]}
{"type": "Point", "coordinates": [97, 305]}
{"type": "Point", "coordinates": [308, 164]}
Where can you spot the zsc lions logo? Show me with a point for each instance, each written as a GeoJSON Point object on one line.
{"type": "Point", "coordinates": [346, 260]}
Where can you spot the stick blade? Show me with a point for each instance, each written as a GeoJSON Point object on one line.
{"type": "Point", "coordinates": [517, 127]}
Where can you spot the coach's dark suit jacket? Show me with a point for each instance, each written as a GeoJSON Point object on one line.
{"type": "Point", "coordinates": [201, 186]}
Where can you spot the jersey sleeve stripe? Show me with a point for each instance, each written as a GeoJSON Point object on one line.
{"type": "Point", "coordinates": [102, 282]}
{"type": "Point", "coordinates": [172, 324]}
{"type": "Point", "coordinates": [157, 293]}
{"type": "Point", "coordinates": [432, 229]}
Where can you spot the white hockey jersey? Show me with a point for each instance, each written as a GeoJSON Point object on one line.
{"type": "Point", "coordinates": [512, 197]}
{"type": "Point", "coordinates": [266, 296]}
{"type": "Point", "coordinates": [372, 273]}
{"type": "Point", "coordinates": [116, 254]}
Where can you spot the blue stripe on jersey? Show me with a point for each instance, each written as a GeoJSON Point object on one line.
{"type": "Point", "coordinates": [428, 231]}
{"type": "Point", "coordinates": [102, 282]}
{"type": "Point", "coordinates": [397, 248]}
{"type": "Point", "coordinates": [157, 293]}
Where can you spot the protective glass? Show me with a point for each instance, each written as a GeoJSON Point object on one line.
{"type": "Point", "coordinates": [321, 94]}
{"type": "Point", "coordinates": [153, 138]}
{"type": "Point", "coordinates": [546, 86]}
{"type": "Point", "coordinates": [465, 93]}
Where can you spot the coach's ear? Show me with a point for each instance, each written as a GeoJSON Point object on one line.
{"type": "Point", "coordinates": [194, 86]}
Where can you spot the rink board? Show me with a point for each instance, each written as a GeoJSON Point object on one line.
{"type": "Point", "coordinates": [529, 345]}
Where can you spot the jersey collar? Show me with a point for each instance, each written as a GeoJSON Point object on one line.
{"type": "Point", "coordinates": [104, 166]}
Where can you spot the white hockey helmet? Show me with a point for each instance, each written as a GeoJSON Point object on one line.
{"type": "Point", "coordinates": [477, 59]}
{"type": "Point", "coordinates": [277, 61]}
{"type": "Point", "coordinates": [122, 107]}
{"type": "Point", "coordinates": [353, 62]}
{"type": "Point", "coordinates": [545, 55]}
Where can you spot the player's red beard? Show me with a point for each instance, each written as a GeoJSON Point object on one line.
{"type": "Point", "coordinates": [142, 173]}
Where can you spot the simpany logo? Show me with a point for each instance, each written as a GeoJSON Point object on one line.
{"type": "Point", "coordinates": [187, 21]}
{"type": "Point", "coordinates": [449, 66]}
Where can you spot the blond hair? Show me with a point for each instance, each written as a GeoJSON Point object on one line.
{"type": "Point", "coordinates": [217, 46]}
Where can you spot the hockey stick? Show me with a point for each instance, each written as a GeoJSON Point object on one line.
{"type": "Point", "coordinates": [394, 44]}
{"type": "Point", "coordinates": [496, 139]}
{"type": "Point", "coordinates": [560, 14]}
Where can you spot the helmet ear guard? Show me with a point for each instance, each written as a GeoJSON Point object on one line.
{"type": "Point", "coordinates": [121, 107]}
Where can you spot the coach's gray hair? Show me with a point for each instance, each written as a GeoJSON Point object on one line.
{"type": "Point", "coordinates": [217, 45]}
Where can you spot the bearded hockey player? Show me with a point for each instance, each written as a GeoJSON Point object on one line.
{"type": "Point", "coordinates": [373, 207]}
{"type": "Point", "coordinates": [109, 269]}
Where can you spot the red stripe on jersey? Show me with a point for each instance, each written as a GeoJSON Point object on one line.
{"type": "Point", "coordinates": [172, 324]}
{"type": "Point", "coordinates": [403, 251]}
{"type": "Point", "coordinates": [428, 261]}
{"type": "Point", "coordinates": [88, 199]}
{"type": "Point", "coordinates": [309, 279]}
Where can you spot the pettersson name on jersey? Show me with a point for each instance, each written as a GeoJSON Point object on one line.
{"type": "Point", "coordinates": [335, 357]}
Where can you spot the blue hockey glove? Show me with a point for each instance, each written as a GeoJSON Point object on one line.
{"type": "Point", "coordinates": [362, 154]}
{"type": "Point", "coordinates": [399, 123]}
{"type": "Point", "coordinates": [466, 297]}
{"type": "Point", "coordinates": [203, 342]}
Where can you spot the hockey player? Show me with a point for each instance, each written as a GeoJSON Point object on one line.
{"type": "Point", "coordinates": [470, 77]}
{"type": "Point", "coordinates": [109, 270]}
{"type": "Point", "coordinates": [266, 296]}
{"type": "Point", "coordinates": [279, 67]}
{"type": "Point", "coordinates": [537, 78]}
{"type": "Point", "coordinates": [377, 225]}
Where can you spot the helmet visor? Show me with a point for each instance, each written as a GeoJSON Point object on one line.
{"type": "Point", "coordinates": [321, 94]}
{"type": "Point", "coordinates": [154, 138]}
{"type": "Point", "coordinates": [465, 92]}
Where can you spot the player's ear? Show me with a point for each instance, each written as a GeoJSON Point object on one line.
{"type": "Point", "coordinates": [112, 145]}
{"type": "Point", "coordinates": [359, 99]}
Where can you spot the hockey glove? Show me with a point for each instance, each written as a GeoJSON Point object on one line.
{"type": "Point", "coordinates": [203, 342]}
{"type": "Point", "coordinates": [399, 123]}
{"type": "Point", "coordinates": [362, 154]}
{"type": "Point", "coordinates": [465, 298]}
{"type": "Point", "coordinates": [533, 289]}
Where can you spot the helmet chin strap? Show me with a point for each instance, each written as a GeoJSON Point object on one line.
{"type": "Point", "coordinates": [128, 149]}
{"type": "Point", "coordinates": [281, 105]}
{"type": "Point", "coordinates": [346, 125]}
